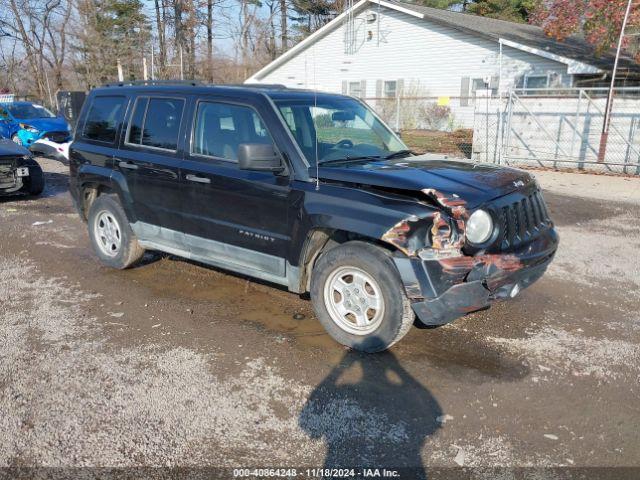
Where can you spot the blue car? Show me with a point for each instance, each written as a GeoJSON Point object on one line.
{"type": "Point", "coordinates": [26, 122]}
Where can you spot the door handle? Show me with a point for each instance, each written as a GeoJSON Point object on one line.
{"type": "Point", "coordinates": [196, 178]}
{"type": "Point", "coordinates": [128, 165]}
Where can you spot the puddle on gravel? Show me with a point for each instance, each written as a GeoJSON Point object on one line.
{"type": "Point", "coordinates": [267, 307]}
{"type": "Point", "coordinates": [273, 309]}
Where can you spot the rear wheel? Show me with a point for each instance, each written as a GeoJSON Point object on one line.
{"type": "Point", "coordinates": [359, 298]}
{"type": "Point", "coordinates": [111, 236]}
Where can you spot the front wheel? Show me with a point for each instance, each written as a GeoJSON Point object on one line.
{"type": "Point", "coordinates": [359, 298]}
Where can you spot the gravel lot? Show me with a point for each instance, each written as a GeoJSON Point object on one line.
{"type": "Point", "coordinates": [172, 363]}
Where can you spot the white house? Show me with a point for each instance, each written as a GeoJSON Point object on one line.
{"type": "Point", "coordinates": [383, 49]}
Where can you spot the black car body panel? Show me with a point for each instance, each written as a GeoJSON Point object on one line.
{"type": "Point", "coordinates": [14, 159]}
{"type": "Point", "coordinates": [266, 224]}
{"type": "Point", "coordinates": [476, 183]}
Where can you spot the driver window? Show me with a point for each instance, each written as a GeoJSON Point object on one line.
{"type": "Point", "coordinates": [221, 128]}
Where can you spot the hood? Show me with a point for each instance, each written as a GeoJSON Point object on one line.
{"type": "Point", "coordinates": [10, 148]}
{"type": "Point", "coordinates": [475, 183]}
{"type": "Point", "coordinates": [56, 124]}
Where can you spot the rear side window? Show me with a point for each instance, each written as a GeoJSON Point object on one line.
{"type": "Point", "coordinates": [102, 120]}
{"type": "Point", "coordinates": [155, 122]}
{"type": "Point", "coordinates": [221, 128]}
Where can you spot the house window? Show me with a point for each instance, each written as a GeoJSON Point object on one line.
{"type": "Point", "coordinates": [355, 89]}
{"type": "Point", "coordinates": [478, 84]}
{"type": "Point", "coordinates": [536, 81]}
{"type": "Point", "coordinates": [390, 89]}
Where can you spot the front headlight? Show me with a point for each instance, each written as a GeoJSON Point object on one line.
{"type": "Point", "coordinates": [479, 227]}
{"type": "Point", "coordinates": [29, 128]}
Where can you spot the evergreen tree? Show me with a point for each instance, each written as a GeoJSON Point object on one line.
{"type": "Point", "coordinates": [310, 15]}
{"type": "Point", "coordinates": [512, 10]}
{"type": "Point", "coordinates": [114, 30]}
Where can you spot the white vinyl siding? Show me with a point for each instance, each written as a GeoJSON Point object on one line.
{"type": "Point", "coordinates": [433, 56]}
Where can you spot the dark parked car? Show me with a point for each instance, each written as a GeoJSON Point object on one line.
{"type": "Point", "coordinates": [20, 174]}
{"type": "Point", "coordinates": [307, 190]}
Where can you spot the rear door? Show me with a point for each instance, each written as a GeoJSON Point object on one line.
{"type": "Point", "coordinates": [233, 216]}
{"type": "Point", "coordinates": [91, 153]}
{"type": "Point", "coordinates": [149, 159]}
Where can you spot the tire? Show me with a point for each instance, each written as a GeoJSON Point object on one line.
{"type": "Point", "coordinates": [111, 236]}
{"type": "Point", "coordinates": [372, 266]}
{"type": "Point", "coordinates": [36, 180]}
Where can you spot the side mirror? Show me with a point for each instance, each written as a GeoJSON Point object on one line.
{"type": "Point", "coordinates": [260, 157]}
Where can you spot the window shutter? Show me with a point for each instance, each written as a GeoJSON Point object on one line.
{"type": "Point", "coordinates": [378, 88]}
{"type": "Point", "coordinates": [464, 91]}
{"type": "Point", "coordinates": [363, 89]}
{"type": "Point", "coordinates": [345, 87]}
{"type": "Point", "coordinates": [399, 88]}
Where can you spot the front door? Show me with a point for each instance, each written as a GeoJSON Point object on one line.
{"type": "Point", "coordinates": [149, 159]}
{"type": "Point", "coordinates": [233, 217]}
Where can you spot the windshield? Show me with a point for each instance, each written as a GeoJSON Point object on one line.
{"type": "Point", "coordinates": [29, 111]}
{"type": "Point", "coordinates": [345, 129]}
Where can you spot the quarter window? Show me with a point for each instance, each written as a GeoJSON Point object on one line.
{"type": "Point", "coordinates": [221, 128]}
{"type": "Point", "coordinates": [156, 123]}
{"type": "Point", "coordinates": [103, 118]}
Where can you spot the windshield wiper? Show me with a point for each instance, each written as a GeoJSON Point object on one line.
{"type": "Point", "coordinates": [399, 153]}
{"type": "Point", "coordinates": [351, 159]}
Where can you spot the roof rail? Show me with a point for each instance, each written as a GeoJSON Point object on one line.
{"type": "Point", "coordinates": [262, 85]}
{"type": "Point", "coordinates": [192, 83]}
{"type": "Point", "coordinates": [195, 83]}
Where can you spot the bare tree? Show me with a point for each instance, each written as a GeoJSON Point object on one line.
{"type": "Point", "coordinates": [161, 30]}
{"type": "Point", "coordinates": [284, 32]}
{"type": "Point", "coordinates": [210, 40]}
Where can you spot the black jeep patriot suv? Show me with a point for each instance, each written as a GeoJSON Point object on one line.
{"type": "Point", "coordinates": [311, 191]}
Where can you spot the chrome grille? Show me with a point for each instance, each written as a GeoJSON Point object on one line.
{"type": "Point", "coordinates": [522, 220]}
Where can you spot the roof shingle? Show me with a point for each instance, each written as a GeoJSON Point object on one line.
{"type": "Point", "coordinates": [573, 47]}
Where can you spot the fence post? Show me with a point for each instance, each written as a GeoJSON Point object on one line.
{"type": "Point", "coordinates": [575, 123]}
{"type": "Point", "coordinates": [633, 128]}
{"type": "Point", "coordinates": [506, 141]}
{"type": "Point", "coordinates": [398, 112]}
{"type": "Point", "coordinates": [486, 128]}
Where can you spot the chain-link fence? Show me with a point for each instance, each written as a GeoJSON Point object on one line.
{"type": "Point", "coordinates": [561, 129]}
{"type": "Point", "coordinates": [541, 127]}
{"type": "Point", "coordinates": [425, 113]}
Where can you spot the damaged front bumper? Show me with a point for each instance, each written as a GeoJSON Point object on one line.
{"type": "Point", "coordinates": [444, 289]}
{"type": "Point", "coordinates": [49, 149]}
